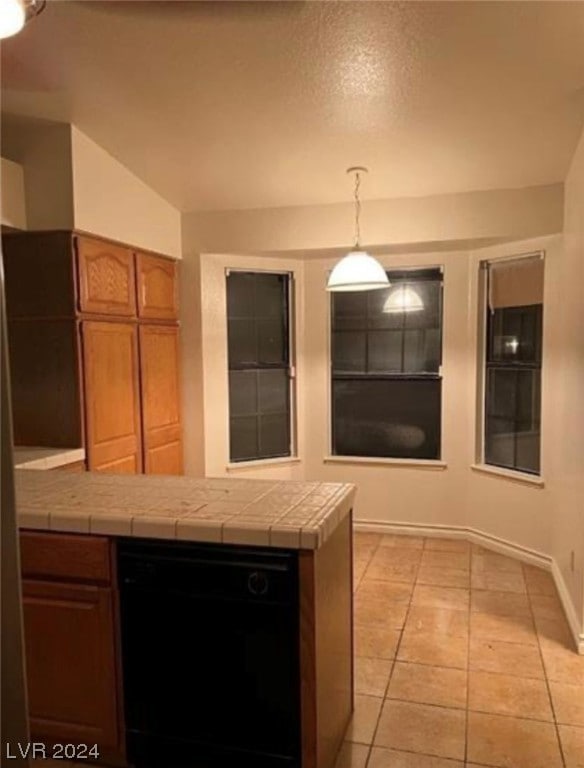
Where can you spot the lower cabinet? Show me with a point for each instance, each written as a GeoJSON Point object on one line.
{"type": "Point", "coordinates": [70, 640]}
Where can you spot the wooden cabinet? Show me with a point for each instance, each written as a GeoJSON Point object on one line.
{"type": "Point", "coordinates": [110, 362]}
{"type": "Point", "coordinates": [94, 348]}
{"type": "Point", "coordinates": [71, 641]}
{"type": "Point", "coordinates": [106, 278]}
{"type": "Point", "coordinates": [157, 287]}
{"type": "Point", "coordinates": [160, 381]}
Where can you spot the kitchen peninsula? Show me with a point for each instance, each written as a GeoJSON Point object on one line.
{"type": "Point", "coordinates": [233, 594]}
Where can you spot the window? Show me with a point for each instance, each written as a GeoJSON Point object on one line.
{"type": "Point", "coordinates": [386, 357]}
{"type": "Point", "coordinates": [512, 398]}
{"type": "Point", "coordinates": [259, 365]}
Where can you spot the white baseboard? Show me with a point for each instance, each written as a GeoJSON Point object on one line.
{"type": "Point", "coordinates": [502, 546]}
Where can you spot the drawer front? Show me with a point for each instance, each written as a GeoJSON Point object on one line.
{"type": "Point", "coordinates": [65, 556]}
{"type": "Point", "coordinates": [106, 278]}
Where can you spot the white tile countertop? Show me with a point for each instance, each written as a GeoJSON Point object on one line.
{"type": "Point", "coordinates": [298, 515]}
{"type": "Point", "coordinates": [46, 458]}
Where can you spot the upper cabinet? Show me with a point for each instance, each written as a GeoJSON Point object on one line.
{"type": "Point", "coordinates": [106, 278]}
{"type": "Point", "coordinates": [157, 287]}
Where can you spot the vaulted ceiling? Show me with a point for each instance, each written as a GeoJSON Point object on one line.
{"type": "Point", "coordinates": [220, 105]}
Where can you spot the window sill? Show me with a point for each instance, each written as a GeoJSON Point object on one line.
{"type": "Point", "coordinates": [257, 463]}
{"type": "Point", "coordinates": [509, 474]}
{"type": "Point", "coordinates": [426, 464]}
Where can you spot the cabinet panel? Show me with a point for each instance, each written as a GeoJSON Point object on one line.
{"type": "Point", "coordinates": [71, 663]}
{"type": "Point", "coordinates": [110, 358]}
{"type": "Point", "coordinates": [106, 278]}
{"type": "Point", "coordinates": [160, 381]}
{"type": "Point", "coordinates": [65, 556]}
{"type": "Point", "coordinates": [157, 287]}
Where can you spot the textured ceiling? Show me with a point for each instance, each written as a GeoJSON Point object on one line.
{"type": "Point", "coordinates": [241, 105]}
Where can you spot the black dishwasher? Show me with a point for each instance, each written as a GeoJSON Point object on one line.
{"type": "Point", "coordinates": [210, 652]}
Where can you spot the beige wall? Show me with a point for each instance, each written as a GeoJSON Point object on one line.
{"type": "Point", "coordinates": [43, 149]}
{"type": "Point", "coordinates": [500, 214]}
{"type": "Point", "coordinates": [12, 195]}
{"type": "Point", "coordinates": [111, 201]}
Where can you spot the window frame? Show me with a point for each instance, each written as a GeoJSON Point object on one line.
{"type": "Point", "coordinates": [332, 457]}
{"type": "Point", "coordinates": [292, 456]}
{"type": "Point", "coordinates": [483, 325]}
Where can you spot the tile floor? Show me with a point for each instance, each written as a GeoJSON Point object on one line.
{"type": "Point", "coordinates": [463, 659]}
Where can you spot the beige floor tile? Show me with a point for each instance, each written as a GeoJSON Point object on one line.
{"type": "Point", "coordinates": [552, 632]}
{"type": "Point", "coordinates": [404, 572]}
{"type": "Point", "coordinates": [402, 542]}
{"type": "Point", "coordinates": [450, 598]}
{"type": "Point", "coordinates": [443, 577]}
{"type": "Point", "coordinates": [505, 658]}
{"type": "Point", "coordinates": [364, 720]}
{"type": "Point", "coordinates": [492, 561]}
{"type": "Point", "coordinates": [420, 728]}
{"type": "Point", "coordinates": [545, 607]}
{"type": "Point", "coordinates": [502, 603]}
{"type": "Point", "coordinates": [561, 664]}
{"type": "Point", "coordinates": [385, 590]}
{"type": "Point", "coordinates": [568, 702]}
{"type": "Point", "coordinates": [440, 621]}
{"type": "Point", "coordinates": [572, 745]}
{"type": "Point", "coordinates": [391, 758]}
{"type": "Point", "coordinates": [424, 684]}
{"type": "Point", "coordinates": [539, 582]}
{"type": "Point", "coordinates": [435, 649]}
{"type": "Point", "coordinates": [352, 756]}
{"type": "Point", "coordinates": [373, 611]}
{"type": "Point", "coordinates": [510, 629]}
{"type": "Point", "coordinates": [366, 542]}
{"type": "Point", "coordinates": [371, 675]}
{"type": "Point", "coordinates": [447, 545]}
{"type": "Point", "coordinates": [498, 581]}
{"type": "Point", "coordinates": [509, 695]}
{"type": "Point", "coordinates": [455, 560]}
{"type": "Point", "coordinates": [377, 642]}
{"type": "Point", "coordinates": [512, 742]}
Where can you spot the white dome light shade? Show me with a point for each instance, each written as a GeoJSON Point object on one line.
{"type": "Point", "coordinates": [357, 271]}
{"type": "Point", "coordinates": [402, 298]}
{"type": "Point", "coordinates": [12, 17]}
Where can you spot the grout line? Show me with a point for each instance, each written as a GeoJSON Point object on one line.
{"type": "Point", "coordinates": [467, 718]}
{"type": "Point", "coordinates": [545, 676]}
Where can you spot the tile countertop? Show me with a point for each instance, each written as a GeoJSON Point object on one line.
{"type": "Point", "coordinates": [46, 458]}
{"type": "Point", "coordinates": [297, 515]}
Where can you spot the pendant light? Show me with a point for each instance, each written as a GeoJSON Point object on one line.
{"type": "Point", "coordinates": [14, 14]}
{"type": "Point", "coordinates": [357, 271]}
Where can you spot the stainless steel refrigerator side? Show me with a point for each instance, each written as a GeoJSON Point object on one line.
{"type": "Point", "coordinates": [14, 721]}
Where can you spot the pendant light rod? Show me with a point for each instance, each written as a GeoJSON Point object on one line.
{"type": "Point", "coordinates": [357, 170]}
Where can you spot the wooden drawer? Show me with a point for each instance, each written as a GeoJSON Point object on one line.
{"type": "Point", "coordinates": [106, 278]}
{"type": "Point", "coordinates": [157, 287]}
{"type": "Point", "coordinates": [65, 556]}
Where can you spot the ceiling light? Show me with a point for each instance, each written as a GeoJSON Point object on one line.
{"type": "Point", "coordinates": [14, 14]}
{"type": "Point", "coordinates": [357, 271]}
{"type": "Point", "coordinates": [402, 298]}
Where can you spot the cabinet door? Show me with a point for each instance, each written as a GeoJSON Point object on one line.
{"type": "Point", "coordinates": [161, 421]}
{"type": "Point", "coordinates": [71, 663]}
{"type": "Point", "coordinates": [157, 287]}
{"type": "Point", "coordinates": [112, 413]}
{"type": "Point", "coordinates": [106, 278]}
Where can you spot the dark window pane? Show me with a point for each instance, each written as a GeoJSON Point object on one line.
{"type": "Point", "coordinates": [394, 418]}
{"type": "Point", "coordinates": [273, 392]}
{"type": "Point", "coordinates": [271, 340]}
{"type": "Point", "coordinates": [349, 310]}
{"type": "Point", "coordinates": [515, 334]}
{"type": "Point", "coordinates": [349, 351]}
{"type": "Point", "coordinates": [385, 351]}
{"type": "Point", "coordinates": [274, 435]}
{"type": "Point", "coordinates": [243, 438]}
{"type": "Point", "coordinates": [270, 295]}
{"type": "Point", "coordinates": [242, 341]}
{"type": "Point", "coordinates": [243, 394]}
{"type": "Point", "coordinates": [240, 294]}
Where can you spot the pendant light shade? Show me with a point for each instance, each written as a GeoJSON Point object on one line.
{"type": "Point", "coordinates": [14, 14]}
{"type": "Point", "coordinates": [403, 298]}
{"type": "Point", "coordinates": [357, 271]}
